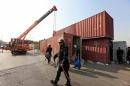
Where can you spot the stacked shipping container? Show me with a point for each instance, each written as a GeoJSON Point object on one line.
{"type": "Point", "coordinates": [100, 25]}
{"type": "Point", "coordinates": [97, 33]}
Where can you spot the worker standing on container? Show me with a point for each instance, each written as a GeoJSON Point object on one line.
{"type": "Point", "coordinates": [48, 53]}
{"type": "Point", "coordinates": [120, 55]}
{"type": "Point", "coordinates": [63, 64]}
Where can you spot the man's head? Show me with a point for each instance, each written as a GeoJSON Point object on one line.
{"type": "Point", "coordinates": [49, 45]}
{"type": "Point", "coordinates": [61, 42]}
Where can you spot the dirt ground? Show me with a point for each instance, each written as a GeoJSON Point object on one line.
{"type": "Point", "coordinates": [33, 70]}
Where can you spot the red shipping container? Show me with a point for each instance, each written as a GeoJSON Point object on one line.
{"type": "Point", "coordinates": [70, 29]}
{"type": "Point", "coordinates": [97, 32]}
{"type": "Point", "coordinates": [96, 49]}
{"type": "Point", "coordinates": [100, 25]}
{"type": "Point", "coordinates": [69, 41]}
{"type": "Point", "coordinates": [53, 41]}
{"type": "Point", "coordinates": [43, 46]}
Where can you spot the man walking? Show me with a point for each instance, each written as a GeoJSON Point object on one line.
{"type": "Point", "coordinates": [63, 64]}
{"type": "Point", "coordinates": [48, 53]}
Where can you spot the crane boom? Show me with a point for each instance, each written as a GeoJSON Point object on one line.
{"type": "Point", "coordinates": [21, 46]}
{"type": "Point", "coordinates": [23, 35]}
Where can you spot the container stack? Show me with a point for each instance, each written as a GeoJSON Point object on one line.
{"type": "Point", "coordinates": [96, 32]}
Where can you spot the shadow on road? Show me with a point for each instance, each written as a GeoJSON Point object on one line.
{"type": "Point", "coordinates": [109, 68]}
{"type": "Point", "coordinates": [84, 73]}
{"type": "Point", "coordinates": [92, 73]}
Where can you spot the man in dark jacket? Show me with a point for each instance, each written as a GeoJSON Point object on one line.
{"type": "Point", "coordinates": [120, 55]}
{"type": "Point", "coordinates": [63, 64]}
{"type": "Point", "coordinates": [48, 53]}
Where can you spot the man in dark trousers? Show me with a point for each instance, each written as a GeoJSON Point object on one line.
{"type": "Point", "coordinates": [48, 53]}
{"type": "Point", "coordinates": [120, 55]}
{"type": "Point", "coordinates": [63, 64]}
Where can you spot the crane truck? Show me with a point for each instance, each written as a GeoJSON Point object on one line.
{"type": "Point", "coordinates": [19, 45]}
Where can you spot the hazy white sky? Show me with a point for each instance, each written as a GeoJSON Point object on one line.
{"type": "Point", "coordinates": [17, 15]}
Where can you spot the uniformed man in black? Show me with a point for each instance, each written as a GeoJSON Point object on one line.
{"type": "Point", "coordinates": [63, 64]}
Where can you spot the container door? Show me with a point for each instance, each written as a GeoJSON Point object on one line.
{"type": "Point", "coordinates": [76, 46]}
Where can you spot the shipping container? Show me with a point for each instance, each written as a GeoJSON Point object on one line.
{"type": "Point", "coordinates": [96, 31]}
{"type": "Point", "coordinates": [70, 41]}
{"type": "Point", "coordinates": [99, 25]}
{"type": "Point", "coordinates": [96, 49]}
{"type": "Point", "coordinates": [123, 46]}
{"type": "Point", "coordinates": [53, 41]}
{"type": "Point", "coordinates": [70, 29]}
{"type": "Point", "coordinates": [43, 46]}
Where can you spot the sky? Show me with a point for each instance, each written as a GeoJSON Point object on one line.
{"type": "Point", "coordinates": [17, 15]}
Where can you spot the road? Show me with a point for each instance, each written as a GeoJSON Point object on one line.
{"type": "Point", "coordinates": [8, 61]}
{"type": "Point", "coordinates": [32, 70]}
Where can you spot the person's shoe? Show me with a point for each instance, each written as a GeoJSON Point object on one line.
{"type": "Point", "coordinates": [54, 82]}
{"type": "Point", "coordinates": [74, 67]}
{"type": "Point", "coordinates": [68, 84]}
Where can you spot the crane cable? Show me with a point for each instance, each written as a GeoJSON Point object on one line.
{"type": "Point", "coordinates": [54, 21]}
